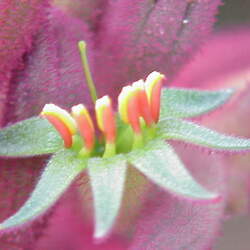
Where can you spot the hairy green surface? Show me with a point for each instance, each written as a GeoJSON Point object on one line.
{"type": "Point", "coordinates": [193, 133]}
{"type": "Point", "coordinates": [56, 178]}
{"type": "Point", "coordinates": [160, 164]}
{"type": "Point", "coordinates": [107, 177]}
{"type": "Point", "coordinates": [34, 136]}
{"type": "Point", "coordinates": [189, 103]}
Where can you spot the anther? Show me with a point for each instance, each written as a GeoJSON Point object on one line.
{"type": "Point", "coordinates": [85, 127]}
{"type": "Point", "coordinates": [153, 85]}
{"type": "Point", "coordinates": [128, 107]}
{"type": "Point", "coordinates": [62, 121]}
{"type": "Point", "coordinates": [106, 122]}
{"type": "Point", "coordinates": [143, 103]}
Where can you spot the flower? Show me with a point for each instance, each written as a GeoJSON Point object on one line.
{"type": "Point", "coordinates": [119, 57]}
{"type": "Point", "coordinates": [141, 144]}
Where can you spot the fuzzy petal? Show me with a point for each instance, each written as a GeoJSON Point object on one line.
{"type": "Point", "coordinates": [137, 37]}
{"type": "Point", "coordinates": [53, 71]}
{"type": "Point", "coordinates": [224, 62]}
{"type": "Point", "coordinates": [19, 22]}
{"type": "Point", "coordinates": [88, 10]}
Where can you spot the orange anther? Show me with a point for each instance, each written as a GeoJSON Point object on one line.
{"type": "Point", "coordinates": [106, 118]}
{"type": "Point", "coordinates": [61, 128]}
{"type": "Point", "coordinates": [85, 125]}
{"type": "Point", "coordinates": [143, 103]}
{"type": "Point", "coordinates": [153, 88]}
{"type": "Point", "coordinates": [134, 112]}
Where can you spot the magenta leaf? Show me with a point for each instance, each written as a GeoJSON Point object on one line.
{"type": "Point", "coordinates": [137, 37]}
{"type": "Point", "coordinates": [19, 21]}
{"type": "Point", "coordinates": [53, 71]}
{"type": "Point", "coordinates": [88, 10]}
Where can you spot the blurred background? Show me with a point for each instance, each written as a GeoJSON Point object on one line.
{"type": "Point", "coordinates": [236, 231]}
{"type": "Point", "coordinates": [234, 12]}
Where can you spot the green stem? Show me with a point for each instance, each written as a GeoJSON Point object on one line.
{"type": "Point", "coordinates": [83, 52]}
{"type": "Point", "coordinates": [109, 150]}
{"type": "Point", "coordinates": [138, 141]}
{"type": "Point", "coordinates": [151, 131]}
{"type": "Point", "coordinates": [84, 153]}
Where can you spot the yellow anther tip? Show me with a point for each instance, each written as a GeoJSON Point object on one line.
{"type": "Point", "coordinates": [155, 75]}
{"type": "Point", "coordinates": [138, 85]}
{"type": "Point", "coordinates": [48, 108]}
{"type": "Point", "coordinates": [151, 80]}
{"type": "Point", "coordinates": [63, 115]}
{"type": "Point", "coordinates": [100, 105]}
{"type": "Point", "coordinates": [105, 101]}
{"type": "Point", "coordinates": [123, 100]}
{"type": "Point", "coordinates": [78, 109]}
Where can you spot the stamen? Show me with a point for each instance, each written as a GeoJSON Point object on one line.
{"type": "Point", "coordinates": [128, 107]}
{"type": "Point", "coordinates": [83, 52]}
{"type": "Point", "coordinates": [62, 114]}
{"type": "Point", "coordinates": [134, 113]}
{"type": "Point", "coordinates": [62, 121]}
{"type": "Point", "coordinates": [153, 86]}
{"type": "Point", "coordinates": [85, 127]}
{"type": "Point", "coordinates": [130, 112]}
{"type": "Point", "coordinates": [106, 123]}
{"type": "Point", "coordinates": [143, 104]}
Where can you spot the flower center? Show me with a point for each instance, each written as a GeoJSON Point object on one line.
{"type": "Point", "coordinates": [138, 112]}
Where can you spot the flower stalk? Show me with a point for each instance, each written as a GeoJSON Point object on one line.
{"type": "Point", "coordinates": [83, 52]}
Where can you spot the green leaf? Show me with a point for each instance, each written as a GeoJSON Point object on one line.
{"type": "Point", "coordinates": [34, 136]}
{"type": "Point", "coordinates": [57, 176]}
{"type": "Point", "coordinates": [107, 177]}
{"type": "Point", "coordinates": [190, 103]}
{"type": "Point", "coordinates": [158, 161]}
{"type": "Point", "coordinates": [187, 131]}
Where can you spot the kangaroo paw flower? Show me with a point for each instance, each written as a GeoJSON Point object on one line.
{"type": "Point", "coordinates": [148, 116]}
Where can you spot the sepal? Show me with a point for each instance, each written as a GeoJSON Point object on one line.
{"type": "Point", "coordinates": [160, 164]}
{"type": "Point", "coordinates": [107, 177]}
{"type": "Point", "coordinates": [183, 103]}
{"type": "Point", "coordinates": [61, 170]}
{"type": "Point", "coordinates": [34, 136]}
{"type": "Point", "coordinates": [190, 132]}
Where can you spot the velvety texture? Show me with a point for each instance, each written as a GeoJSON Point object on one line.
{"type": "Point", "coordinates": [224, 62]}
{"type": "Point", "coordinates": [16, 38]}
{"type": "Point", "coordinates": [131, 39]}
